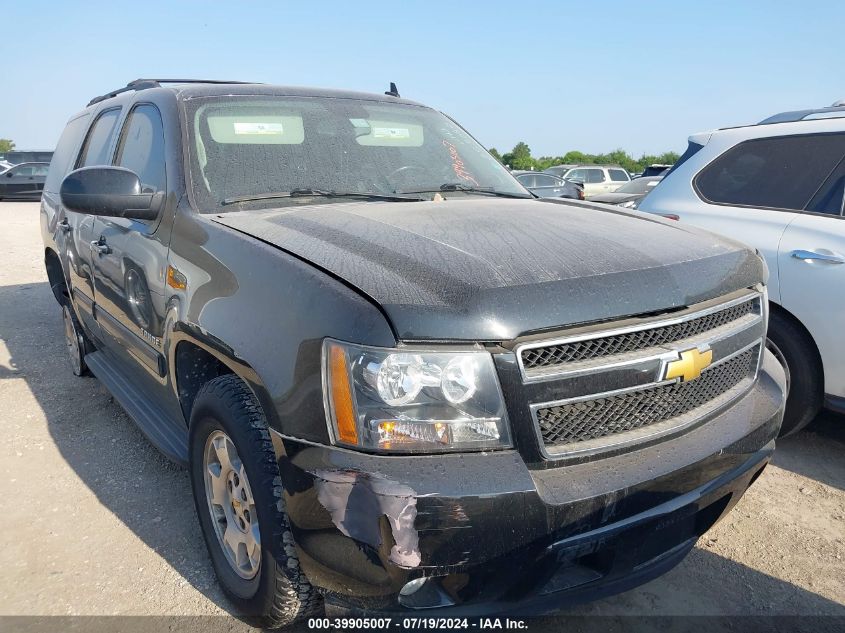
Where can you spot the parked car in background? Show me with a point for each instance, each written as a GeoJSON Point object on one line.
{"type": "Point", "coordinates": [629, 194]}
{"type": "Point", "coordinates": [400, 382]}
{"type": "Point", "coordinates": [655, 170]}
{"type": "Point", "coordinates": [23, 182]}
{"type": "Point", "coordinates": [778, 186]}
{"type": "Point", "coordinates": [559, 170]}
{"type": "Point", "coordinates": [598, 178]}
{"type": "Point", "coordinates": [547, 186]}
{"type": "Point", "coordinates": [17, 156]}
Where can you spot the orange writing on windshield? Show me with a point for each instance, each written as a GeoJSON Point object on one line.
{"type": "Point", "coordinates": [458, 164]}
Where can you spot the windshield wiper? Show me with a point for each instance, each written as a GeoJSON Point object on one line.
{"type": "Point", "coordinates": [306, 192]}
{"type": "Point", "coordinates": [459, 186]}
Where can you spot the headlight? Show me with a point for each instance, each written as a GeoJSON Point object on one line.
{"type": "Point", "coordinates": [398, 400]}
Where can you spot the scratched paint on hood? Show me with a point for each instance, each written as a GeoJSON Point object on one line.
{"type": "Point", "coordinates": [356, 502]}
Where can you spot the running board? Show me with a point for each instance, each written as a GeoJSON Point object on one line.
{"type": "Point", "coordinates": [160, 429]}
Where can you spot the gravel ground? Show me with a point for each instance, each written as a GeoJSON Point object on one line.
{"type": "Point", "coordinates": [96, 522]}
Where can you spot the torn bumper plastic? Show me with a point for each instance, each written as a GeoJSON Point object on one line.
{"type": "Point", "coordinates": [494, 535]}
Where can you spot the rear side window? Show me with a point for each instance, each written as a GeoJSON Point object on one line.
{"type": "Point", "coordinates": [98, 142]}
{"type": "Point", "coordinates": [65, 151]}
{"type": "Point", "coordinates": [617, 175]}
{"type": "Point", "coordinates": [141, 148]}
{"type": "Point", "coordinates": [545, 181]}
{"type": "Point", "coordinates": [594, 175]}
{"type": "Point", "coordinates": [777, 173]}
{"type": "Point", "coordinates": [526, 180]}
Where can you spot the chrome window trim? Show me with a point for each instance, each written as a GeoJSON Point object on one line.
{"type": "Point", "coordinates": [553, 374]}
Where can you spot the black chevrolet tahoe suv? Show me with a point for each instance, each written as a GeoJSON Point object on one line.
{"type": "Point", "coordinates": [399, 381]}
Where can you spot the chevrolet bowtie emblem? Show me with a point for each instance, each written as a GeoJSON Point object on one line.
{"type": "Point", "coordinates": [689, 366]}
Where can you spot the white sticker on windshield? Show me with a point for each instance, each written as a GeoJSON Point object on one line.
{"type": "Point", "coordinates": [249, 127]}
{"type": "Point", "coordinates": [391, 132]}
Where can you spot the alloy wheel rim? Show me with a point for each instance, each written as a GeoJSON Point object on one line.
{"type": "Point", "coordinates": [775, 350]}
{"type": "Point", "coordinates": [231, 505]}
{"type": "Point", "coordinates": [72, 342]}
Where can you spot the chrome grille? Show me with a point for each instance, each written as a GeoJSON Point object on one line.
{"type": "Point", "coordinates": [553, 355]}
{"type": "Point", "coordinates": [606, 385]}
{"type": "Point", "coordinates": [599, 417]}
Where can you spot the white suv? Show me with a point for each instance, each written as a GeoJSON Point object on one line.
{"type": "Point", "coordinates": [778, 186]}
{"type": "Point", "coordinates": [598, 178]}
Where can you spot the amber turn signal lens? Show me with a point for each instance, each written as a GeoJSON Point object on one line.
{"type": "Point", "coordinates": [175, 279]}
{"type": "Point", "coordinates": [344, 410]}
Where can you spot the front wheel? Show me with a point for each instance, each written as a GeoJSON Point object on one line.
{"type": "Point", "coordinates": [75, 341]}
{"type": "Point", "coordinates": [238, 496]}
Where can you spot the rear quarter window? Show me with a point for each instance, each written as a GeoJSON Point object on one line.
{"type": "Point", "coordinates": [776, 173]}
{"type": "Point", "coordinates": [66, 151]}
{"type": "Point", "coordinates": [618, 175]}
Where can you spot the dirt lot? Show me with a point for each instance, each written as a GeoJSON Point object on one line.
{"type": "Point", "coordinates": [97, 522]}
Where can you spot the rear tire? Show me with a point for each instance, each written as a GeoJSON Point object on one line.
{"type": "Point", "coordinates": [273, 591]}
{"type": "Point", "coordinates": [796, 351]}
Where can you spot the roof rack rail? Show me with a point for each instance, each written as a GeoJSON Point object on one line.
{"type": "Point", "coordinates": [144, 84]}
{"type": "Point", "coordinates": [835, 111]}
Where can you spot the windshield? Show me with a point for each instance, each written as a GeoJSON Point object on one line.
{"type": "Point", "coordinates": [639, 185]}
{"type": "Point", "coordinates": [249, 146]}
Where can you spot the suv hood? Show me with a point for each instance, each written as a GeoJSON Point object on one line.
{"type": "Point", "coordinates": [490, 269]}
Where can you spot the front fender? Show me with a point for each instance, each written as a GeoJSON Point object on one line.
{"type": "Point", "coordinates": [264, 313]}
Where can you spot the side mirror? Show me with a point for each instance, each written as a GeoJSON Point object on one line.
{"type": "Point", "coordinates": [109, 191]}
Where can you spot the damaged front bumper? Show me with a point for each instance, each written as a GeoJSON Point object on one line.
{"type": "Point", "coordinates": [484, 533]}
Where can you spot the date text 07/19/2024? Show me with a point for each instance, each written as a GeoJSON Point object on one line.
{"type": "Point", "coordinates": [418, 623]}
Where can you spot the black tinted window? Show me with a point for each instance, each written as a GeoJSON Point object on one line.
{"type": "Point", "coordinates": [617, 175]}
{"type": "Point", "coordinates": [141, 148]}
{"type": "Point", "coordinates": [65, 151]}
{"type": "Point", "coordinates": [831, 197]}
{"type": "Point", "coordinates": [95, 150]}
{"type": "Point", "coordinates": [781, 173]}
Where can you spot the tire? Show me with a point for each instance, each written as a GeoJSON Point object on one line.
{"type": "Point", "coordinates": [796, 351]}
{"type": "Point", "coordinates": [277, 593]}
{"type": "Point", "coordinates": [76, 342]}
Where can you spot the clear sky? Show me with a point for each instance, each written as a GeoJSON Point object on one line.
{"type": "Point", "coordinates": [641, 75]}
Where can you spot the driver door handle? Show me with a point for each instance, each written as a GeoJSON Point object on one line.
{"type": "Point", "coordinates": [832, 258]}
{"type": "Point", "coordinates": [100, 246]}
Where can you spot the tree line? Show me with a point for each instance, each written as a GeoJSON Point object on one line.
{"type": "Point", "coordinates": [520, 158]}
